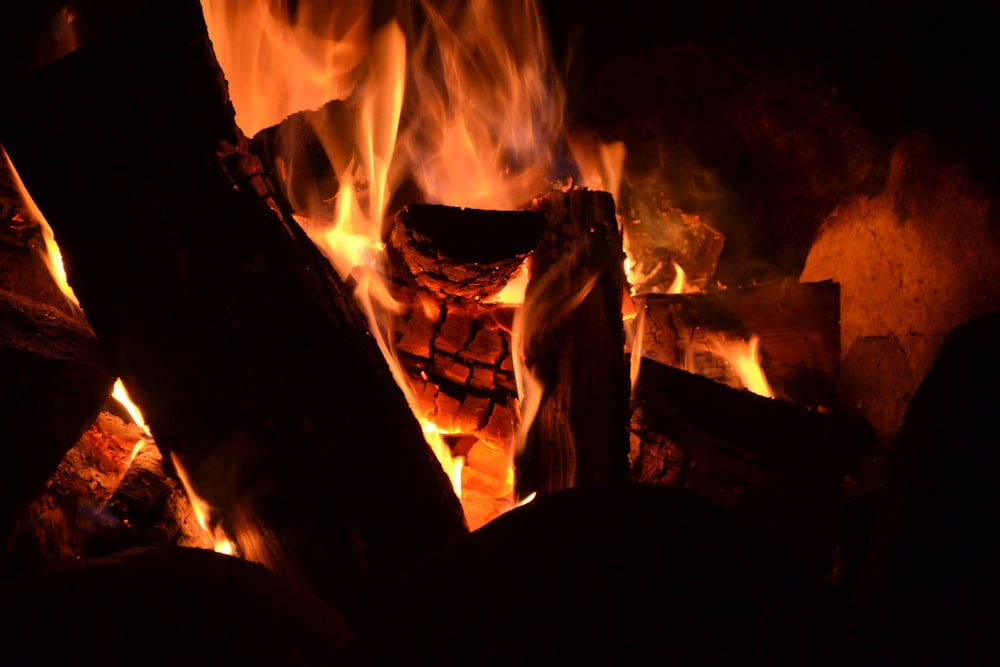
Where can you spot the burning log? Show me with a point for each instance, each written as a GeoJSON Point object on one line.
{"type": "Point", "coordinates": [774, 464]}
{"type": "Point", "coordinates": [462, 253]}
{"type": "Point", "coordinates": [797, 324]}
{"type": "Point", "coordinates": [92, 502]}
{"type": "Point", "coordinates": [53, 381]}
{"type": "Point", "coordinates": [147, 508]}
{"type": "Point", "coordinates": [247, 354]}
{"type": "Point", "coordinates": [575, 346]}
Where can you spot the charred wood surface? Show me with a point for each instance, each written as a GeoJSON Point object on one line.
{"type": "Point", "coordinates": [798, 325]}
{"type": "Point", "coordinates": [461, 253]}
{"type": "Point", "coordinates": [775, 464]}
{"type": "Point", "coordinates": [299, 155]}
{"type": "Point", "coordinates": [147, 508]}
{"type": "Point", "coordinates": [53, 381]}
{"type": "Point", "coordinates": [575, 346]}
{"type": "Point", "coordinates": [246, 353]}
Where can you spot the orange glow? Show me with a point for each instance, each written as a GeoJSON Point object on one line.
{"type": "Point", "coordinates": [52, 256]}
{"type": "Point", "coordinates": [513, 292]}
{"type": "Point", "coordinates": [744, 358]}
{"type": "Point", "coordinates": [202, 511]}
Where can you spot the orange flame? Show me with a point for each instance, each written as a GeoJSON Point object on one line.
{"type": "Point", "coordinates": [744, 358]}
{"type": "Point", "coordinates": [490, 107]}
{"type": "Point", "coordinates": [278, 64]}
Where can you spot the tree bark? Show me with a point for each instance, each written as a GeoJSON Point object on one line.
{"type": "Point", "coordinates": [246, 353]}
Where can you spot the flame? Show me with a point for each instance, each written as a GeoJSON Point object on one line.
{"type": "Point", "coordinates": [202, 511]}
{"type": "Point", "coordinates": [677, 287]}
{"type": "Point", "coordinates": [52, 255]}
{"type": "Point", "coordinates": [281, 57]}
{"type": "Point", "coordinates": [744, 358]}
{"type": "Point", "coordinates": [490, 107]}
{"type": "Point", "coordinates": [484, 112]}
{"type": "Point", "coordinates": [121, 395]}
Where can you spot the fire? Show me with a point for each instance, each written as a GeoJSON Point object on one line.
{"type": "Point", "coordinates": [52, 256]}
{"type": "Point", "coordinates": [744, 358]}
{"type": "Point", "coordinates": [490, 107]}
{"type": "Point", "coordinates": [484, 113]}
{"type": "Point", "coordinates": [285, 57]}
{"type": "Point", "coordinates": [202, 511]}
{"type": "Point", "coordinates": [120, 394]}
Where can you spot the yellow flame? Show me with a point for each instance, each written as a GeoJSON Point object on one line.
{"type": "Point", "coordinates": [52, 255]}
{"type": "Point", "coordinates": [202, 511]}
{"type": "Point", "coordinates": [140, 443]}
{"type": "Point", "coordinates": [121, 395]}
{"type": "Point", "coordinates": [677, 287]}
{"type": "Point", "coordinates": [744, 358]}
{"type": "Point", "coordinates": [513, 292]}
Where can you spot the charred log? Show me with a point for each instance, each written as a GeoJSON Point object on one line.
{"type": "Point", "coordinates": [461, 253]}
{"type": "Point", "coordinates": [297, 154]}
{"type": "Point", "coordinates": [53, 381]}
{"type": "Point", "coordinates": [575, 346]}
{"type": "Point", "coordinates": [246, 353]}
{"type": "Point", "coordinates": [773, 463]}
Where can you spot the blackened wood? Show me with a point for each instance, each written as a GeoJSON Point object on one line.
{"type": "Point", "coordinates": [53, 382]}
{"type": "Point", "coordinates": [299, 154]}
{"type": "Point", "coordinates": [460, 252]}
{"type": "Point", "coordinates": [246, 353]}
{"type": "Point", "coordinates": [574, 345]}
{"type": "Point", "coordinates": [775, 464]}
{"type": "Point", "coordinates": [168, 606]}
{"type": "Point", "coordinates": [798, 325]}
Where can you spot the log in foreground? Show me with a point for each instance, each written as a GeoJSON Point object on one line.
{"type": "Point", "coordinates": [246, 353]}
{"type": "Point", "coordinates": [167, 606]}
{"type": "Point", "coordinates": [774, 464]}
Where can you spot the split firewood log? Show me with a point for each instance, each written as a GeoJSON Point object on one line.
{"type": "Point", "coordinates": [246, 353]}
{"type": "Point", "coordinates": [797, 325]}
{"type": "Point", "coordinates": [575, 344]}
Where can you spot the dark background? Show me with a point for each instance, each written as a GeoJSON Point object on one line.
{"type": "Point", "coordinates": [901, 66]}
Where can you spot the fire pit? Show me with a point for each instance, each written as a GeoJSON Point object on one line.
{"type": "Point", "coordinates": [449, 305]}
